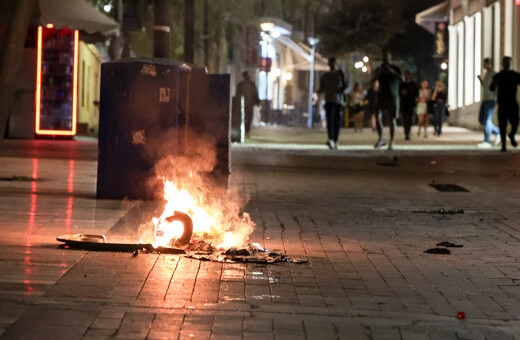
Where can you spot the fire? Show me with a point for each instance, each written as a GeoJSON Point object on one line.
{"type": "Point", "coordinates": [212, 220]}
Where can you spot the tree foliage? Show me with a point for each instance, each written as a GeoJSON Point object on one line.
{"type": "Point", "coordinates": [357, 25]}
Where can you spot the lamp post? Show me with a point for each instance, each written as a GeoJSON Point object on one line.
{"type": "Point", "coordinates": [266, 30]}
{"type": "Point", "coordinates": [313, 42]}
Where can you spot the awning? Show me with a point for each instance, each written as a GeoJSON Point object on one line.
{"type": "Point", "coordinates": [302, 56]}
{"type": "Point", "coordinates": [75, 14]}
{"type": "Point", "coordinates": [429, 17]}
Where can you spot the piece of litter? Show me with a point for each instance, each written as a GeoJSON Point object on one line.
{"type": "Point", "coordinates": [442, 251]}
{"type": "Point", "coordinates": [449, 244]}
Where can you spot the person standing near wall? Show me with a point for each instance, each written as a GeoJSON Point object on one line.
{"type": "Point", "coordinates": [439, 98]}
{"type": "Point", "coordinates": [487, 106]}
{"type": "Point", "coordinates": [506, 83]}
{"type": "Point", "coordinates": [246, 88]}
{"type": "Point", "coordinates": [332, 85]}
{"type": "Point", "coordinates": [422, 108]}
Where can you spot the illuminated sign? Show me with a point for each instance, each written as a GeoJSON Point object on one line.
{"type": "Point", "coordinates": [56, 81]}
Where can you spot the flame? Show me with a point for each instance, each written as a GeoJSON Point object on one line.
{"type": "Point", "coordinates": [210, 222]}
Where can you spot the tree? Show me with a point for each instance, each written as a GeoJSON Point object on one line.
{"type": "Point", "coordinates": [11, 57]}
{"type": "Point", "coordinates": [357, 25]}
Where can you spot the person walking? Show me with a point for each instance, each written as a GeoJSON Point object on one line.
{"type": "Point", "coordinates": [246, 88]}
{"type": "Point", "coordinates": [356, 106]}
{"type": "Point", "coordinates": [371, 103]}
{"type": "Point", "coordinates": [332, 85]}
{"type": "Point", "coordinates": [506, 83]}
{"type": "Point", "coordinates": [487, 107]}
{"type": "Point", "coordinates": [408, 93]}
{"type": "Point", "coordinates": [439, 98]}
{"type": "Point", "coordinates": [389, 77]}
{"type": "Point", "coordinates": [422, 108]}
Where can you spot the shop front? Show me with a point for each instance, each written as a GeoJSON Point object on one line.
{"type": "Point", "coordinates": [57, 91]}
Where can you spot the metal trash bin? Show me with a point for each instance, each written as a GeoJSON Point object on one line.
{"type": "Point", "coordinates": [140, 117]}
{"type": "Point", "coordinates": [209, 112]}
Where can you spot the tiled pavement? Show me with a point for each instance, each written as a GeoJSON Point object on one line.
{"type": "Point", "coordinates": [363, 219]}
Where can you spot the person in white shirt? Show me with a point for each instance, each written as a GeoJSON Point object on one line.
{"type": "Point", "coordinates": [487, 107]}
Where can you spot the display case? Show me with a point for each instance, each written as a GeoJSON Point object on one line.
{"type": "Point", "coordinates": [56, 82]}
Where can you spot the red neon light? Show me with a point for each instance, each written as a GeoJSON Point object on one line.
{"type": "Point", "coordinates": [38, 129]}
{"type": "Point", "coordinates": [49, 26]}
{"type": "Point", "coordinates": [38, 78]}
{"type": "Point", "coordinates": [517, 2]}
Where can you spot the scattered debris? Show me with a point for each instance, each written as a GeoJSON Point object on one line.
{"type": "Point", "coordinates": [449, 245]}
{"type": "Point", "coordinates": [197, 249]}
{"type": "Point", "coordinates": [448, 187]}
{"type": "Point", "coordinates": [254, 254]}
{"type": "Point", "coordinates": [441, 211]}
{"type": "Point", "coordinates": [99, 243]}
{"type": "Point", "coordinates": [433, 162]}
{"type": "Point", "coordinates": [442, 251]}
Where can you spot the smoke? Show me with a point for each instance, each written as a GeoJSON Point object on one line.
{"type": "Point", "coordinates": [196, 169]}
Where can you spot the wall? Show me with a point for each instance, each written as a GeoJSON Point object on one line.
{"type": "Point", "coordinates": [88, 89]}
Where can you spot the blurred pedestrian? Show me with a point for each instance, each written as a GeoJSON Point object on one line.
{"type": "Point", "coordinates": [408, 93]}
{"type": "Point", "coordinates": [487, 107]}
{"type": "Point", "coordinates": [371, 103]}
{"type": "Point", "coordinates": [506, 83]}
{"type": "Point", "coordinates": [316, 117]}
{"type": "Point", "coordinates": [422, 108]}
{"type": "Point", "coordinates": [356, 106]}
{"type": "Point", "coordinates": [439, 98]}
{"type": "Point", "coordinates": [332, 85]}
{"type": "Point", "coordinates": [246, 88]}
{"type": "Point", "coordinates": [389, 77]}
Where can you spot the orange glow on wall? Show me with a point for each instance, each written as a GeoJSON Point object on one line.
{"type": "Point", "coordinates": [39, 129]}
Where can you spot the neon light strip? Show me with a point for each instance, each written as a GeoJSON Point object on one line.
{"type": "Point", "coordinates": [38, 130]}
{"type": "Point", "coordinates": [75, 82]}
{"type": "Point", "coordinates": [38, 79]}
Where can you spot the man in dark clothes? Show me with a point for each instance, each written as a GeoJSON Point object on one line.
{"type": "Point", "coordinates": [408, 94]}
{"type": "Point", "coordinates": [247, 89]}
{"type": "Point", "coordinates": [332, 84]}
{"type": "Point", "coordinates": [506, 82]}
{"type": "Point", "coordinates": [389, 77]}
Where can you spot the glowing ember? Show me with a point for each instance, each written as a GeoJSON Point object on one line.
{"type": "Point", "coordinates": [213, 221]}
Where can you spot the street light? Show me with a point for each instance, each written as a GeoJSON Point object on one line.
{"type": "Point", "coordinates": [266, 36]}
{"type": "Point", "coordinates": [313, 42]}
{"type": "Point", "coordinates": [267, 26]}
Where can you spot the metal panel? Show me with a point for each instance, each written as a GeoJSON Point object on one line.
{"type": "Point", "coordinates": [139, 122]}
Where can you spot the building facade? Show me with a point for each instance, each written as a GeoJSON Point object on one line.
{"type": "Point", "coordinates": [478, 29]}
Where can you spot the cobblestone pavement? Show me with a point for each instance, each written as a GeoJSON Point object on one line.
{"type": "Point", "coordinates": [362, 219]}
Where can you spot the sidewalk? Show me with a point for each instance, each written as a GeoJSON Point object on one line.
{"type": "Point", "coordinates": [362, 217]}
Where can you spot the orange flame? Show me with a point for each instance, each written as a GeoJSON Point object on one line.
{"type": "Point", "coordinates": [210, 222]}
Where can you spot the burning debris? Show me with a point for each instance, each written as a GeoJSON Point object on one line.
{"type": "Point", "coordinates": [253, 254]}
{"type": "Point", "coordinates": [197, 217]}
